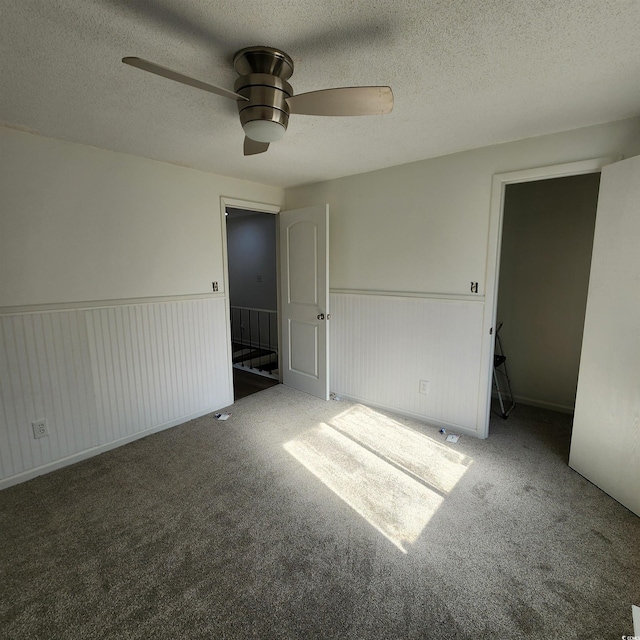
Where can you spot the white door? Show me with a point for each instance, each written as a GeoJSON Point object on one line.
{"type": "Point", "coordinates": [605, 443]}
{"type": "Point", "coordinates": [304, 286]}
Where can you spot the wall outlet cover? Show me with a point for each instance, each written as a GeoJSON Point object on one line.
{"type": "Point", "coordinates": [40, 429]}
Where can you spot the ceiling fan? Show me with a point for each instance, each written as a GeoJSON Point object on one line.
{"type": "Point", "coordinates": [265, 98]}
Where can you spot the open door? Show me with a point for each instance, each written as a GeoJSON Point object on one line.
{"type": "Point", "coordinates": [605, 443]}
{"type": "Point", "coordinates": [304, 286]}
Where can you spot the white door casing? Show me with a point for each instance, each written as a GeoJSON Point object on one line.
{"type": "Point", "coordinates": [304, 287]}
{"type": "Point", "coordinates": [249, 205]}
{"type": "Point", "coordinates": [500, 182]}
{"type": "Point", "coordinates": [605, 442]}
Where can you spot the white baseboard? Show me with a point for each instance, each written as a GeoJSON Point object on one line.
{"type": "Point", "coordinates": [94, 451]}
{"type": "Point", "coordinates": [532, 402]}
{"type": "Point", "coordinates": [414, 416]}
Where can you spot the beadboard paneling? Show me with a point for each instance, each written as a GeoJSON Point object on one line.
{"type": "Point", "coordinates": [45, 372]}
{"type": "Point", "coordinates": [106, 375]}
{"type": "Point", "coordinates": [382, 346]}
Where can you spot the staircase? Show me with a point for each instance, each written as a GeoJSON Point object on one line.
{"type": "Point", "coordinates": [254, 341]}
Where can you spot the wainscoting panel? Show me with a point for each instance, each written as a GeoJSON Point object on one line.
{"type": "Point", "coordinates": [106, 375]}
{"type": "Point", "coordinates": [45, 373]}
{"type": "Point", "coordinates": [383, 346]}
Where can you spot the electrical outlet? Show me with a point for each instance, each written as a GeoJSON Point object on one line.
{"type": "Point", "coordinates": [40, 429]}
{"type": "Point", "coordinates": [424, 387]}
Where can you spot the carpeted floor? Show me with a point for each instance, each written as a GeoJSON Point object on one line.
{"type": "Point", "coordinates": [298, 518]}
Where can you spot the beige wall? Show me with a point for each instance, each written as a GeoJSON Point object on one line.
{"type": "Point", "coordinates": [420, 231]}
{"type": "Point", "coordinates": [80, 223]}
{"type": "Point", "coordinates": [423, 227]}
{"type": "Point", "coordinates": [547, 238]}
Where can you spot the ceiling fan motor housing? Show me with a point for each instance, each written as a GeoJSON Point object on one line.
{"type": "Point", "coordinates": [263, 80]}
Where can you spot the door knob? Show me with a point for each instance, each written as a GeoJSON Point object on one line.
{"type": "Point", "coordinates": [321, 316]}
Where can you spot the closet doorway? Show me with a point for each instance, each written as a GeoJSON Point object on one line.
{"type": "Point", "coordinates": [547, 242]}
{"type": "Point", "coordinates": [500, 183]}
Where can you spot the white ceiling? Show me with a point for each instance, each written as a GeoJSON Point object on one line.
{"type": "Point", "coordinates": [465, 74]}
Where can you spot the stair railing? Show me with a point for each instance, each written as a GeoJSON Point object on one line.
{"type": "Point", "coordinates": [254, 337]}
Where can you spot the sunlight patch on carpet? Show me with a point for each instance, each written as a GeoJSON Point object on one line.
{"type": "Point", "coordinates": [393, 476]}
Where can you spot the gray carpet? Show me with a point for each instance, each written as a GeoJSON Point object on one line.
{"type": "Point", "coordinates": [225, 530]}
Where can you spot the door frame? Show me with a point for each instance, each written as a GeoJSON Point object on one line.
{"type": "Point", "coordinates": [258, 207]}
{"type": "Point", "coordinates": [494, 246]}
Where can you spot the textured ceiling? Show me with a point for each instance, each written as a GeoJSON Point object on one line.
{"type": "Point", "coordinates": [464, 73]}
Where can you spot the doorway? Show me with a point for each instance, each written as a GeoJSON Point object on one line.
{"type": "Point", "coordinates": [547, 241]}
{"type": "Point", "coordinates": [490, 320]}
{"type": "Point", "coordinates": [302, 268]}
{"type": "Point", "coordinates": [252, 261]}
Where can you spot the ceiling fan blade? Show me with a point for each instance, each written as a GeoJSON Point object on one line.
{"type": "Point", "coordinates": [145, 65]}
{"type": "Point", "coordinates": [251, 147]}
{"type": "Point", "coordinates": [345, 101]}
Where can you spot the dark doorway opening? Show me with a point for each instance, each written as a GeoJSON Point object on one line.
{"type": "Point", "coordinates": [246, 383]}
{"type": "Point", "coordinates": [252, 261]}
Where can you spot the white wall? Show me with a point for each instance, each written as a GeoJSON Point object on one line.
{"type": "Point", "coordinates": [547, 239]}
{"type": "Point", "coordinates": [80, 223]}
{"type": "Point", "coordinates": [108, 326]}
{"type": "Point", "coordinates": [103, 376]}
{"type": "Point", "coordinates": [422, 229]}
{"type": "Point", "coordinates": [101, 232]}
{"type": "Point", "coordinates": [382, 347]}
{"type": "Point", "coordinates": [423, 226]}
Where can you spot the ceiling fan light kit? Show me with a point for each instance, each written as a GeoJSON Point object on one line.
{"type": "Point", "coordinates": [265, 99]}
